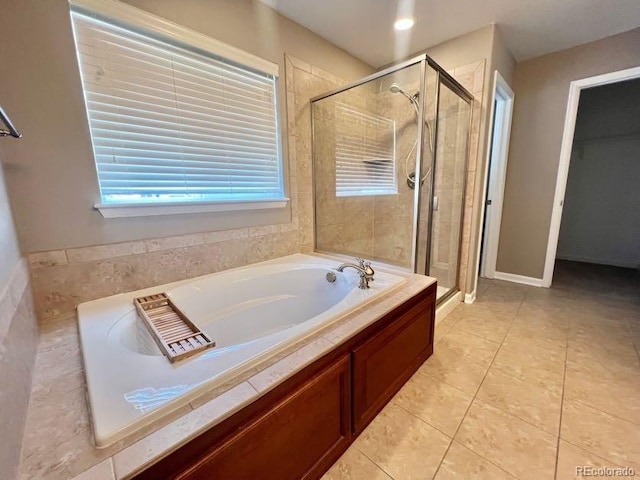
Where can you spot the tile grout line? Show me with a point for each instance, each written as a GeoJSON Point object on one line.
{"type": "Point", "coordinates": [528, 422]}
{"type": "Point", "coordinates": [615, 464]}
{"type": "Point", "coordinates": [466, 332]}
{"type": "Point", "coordinates": [421, 419]}
{"type": "Point", "coordinates": [582, 402]}
{"type": "Point", "coordinates": [485, 459]}
{"type": "Point", "coordinates": [445, 383]}
{"type": "Point", "coordinates": [508, 374]}
{"type": "Point", "coordinates": [493, 406]}
{"type": "Point", "coordinates": [377, 466]}
{"type": "Point", "coordinates": [450, 437]}
{"type": "Point", "coordinates": [475, 396]}
{"type": "Point", "coordinates": [564, 380]}
{"type": "Point", "coordinates": [559, 438]}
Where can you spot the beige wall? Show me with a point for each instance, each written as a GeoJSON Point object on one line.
{"type": "Point", "coordinates": [501, 60]}
{"type": "Point", "coordinates": [541, 86]}
{"type": "Point", "coordinates": [51, 176]}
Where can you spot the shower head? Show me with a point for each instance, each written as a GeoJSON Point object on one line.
{"type": "Point", "coordinates": [395, 88]}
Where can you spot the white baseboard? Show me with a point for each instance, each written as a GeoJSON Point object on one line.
{"type": "Point", "coordinates": [448, 306]}
{"type": "Point", "coordinates": [598, 261]}
{"type": "Point", "coordinates": [512, 277]}
{"type": "Point", "coordinates": [470, 297]}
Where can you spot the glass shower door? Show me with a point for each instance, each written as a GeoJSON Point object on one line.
{"type": "Point", "coordinates": [449, 174]}
{"type": "Point", "coordinates": [365, 142]}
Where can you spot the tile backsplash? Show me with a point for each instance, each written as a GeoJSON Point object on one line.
{"type": "Point", "coordinates": [65, 278]}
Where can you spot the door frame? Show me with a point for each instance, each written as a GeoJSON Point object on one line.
{"type": "Point", "coordinates": [575, 88]}
{"type": "Point", "coordinates": [494, 177]}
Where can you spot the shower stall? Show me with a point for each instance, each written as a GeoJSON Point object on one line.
{"type": "Point", "coordinates": [389, 166]}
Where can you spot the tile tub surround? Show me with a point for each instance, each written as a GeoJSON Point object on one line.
{"type": "Point", "coordinates": [526, 383]}
{"type": "Point", "coordinates": [65, 278]}
{"type": "Point", "coordinates": [57, 441]}
{"type": "Point", "coordinates": [18, 344]}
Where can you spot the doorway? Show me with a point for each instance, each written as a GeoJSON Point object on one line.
{"type": "Point", "coordinates": [495, 174]}
{"type": "Point", "coordinates": [566, 154]}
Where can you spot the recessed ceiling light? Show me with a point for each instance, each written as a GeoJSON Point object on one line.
{"type": "Point", "coordinates": [404, 23]}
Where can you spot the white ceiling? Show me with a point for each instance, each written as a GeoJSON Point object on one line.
{"type": "Point", "coordinates": [530, 27]}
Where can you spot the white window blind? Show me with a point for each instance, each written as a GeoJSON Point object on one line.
{"type": "Point", "coordinates": [175, 124]}
{"type": "Point", "coordinates": [365, 153]}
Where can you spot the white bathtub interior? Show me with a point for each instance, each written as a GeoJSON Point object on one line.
{"type": "Point", "coordinates": [251, 313]}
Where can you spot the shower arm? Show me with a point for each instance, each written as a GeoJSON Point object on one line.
{"type": "Point", "coordinates": [11, 130]}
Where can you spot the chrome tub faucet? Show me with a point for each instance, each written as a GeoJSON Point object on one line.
{"type": "Point", "coordinates": [364, 270]}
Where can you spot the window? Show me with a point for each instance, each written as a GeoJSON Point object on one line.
{"type": "Point", "coordinates": [173, 123]}
{"type": "Point", "coordinates": [365, 153]}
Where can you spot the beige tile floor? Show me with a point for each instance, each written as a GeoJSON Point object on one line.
{"type": "Point", "coordinates": [526, 383]}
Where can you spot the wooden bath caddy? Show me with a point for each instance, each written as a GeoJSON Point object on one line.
{"type": "Point", "coordinates": [176, 335]}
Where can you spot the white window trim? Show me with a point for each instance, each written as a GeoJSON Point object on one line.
{"type": "Point", "coordinates": [115, 210]}
{"type": "Point", "coordinates": [140, 19]}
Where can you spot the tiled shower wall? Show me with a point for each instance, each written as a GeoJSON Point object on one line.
{"type": "Point", "coordinates": [450, 172]}
{"type": "Point", "coordinates": [64, 278]}
{"type": "Point", "coordinates": [471, 77]}
{"type": "Point", "coordinates": [18, 344]}
{"type": "Point", "coordinates": [347, 224]}
{"type": "Point", "coordinates": [375, 226]}
{"type": "Point", "coordinates": [380, 227]}
{"type": "Point", "coordinates": [444, 239]}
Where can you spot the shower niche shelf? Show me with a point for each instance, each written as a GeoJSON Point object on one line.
{"type": "Point", "coordinates": [176, 335]}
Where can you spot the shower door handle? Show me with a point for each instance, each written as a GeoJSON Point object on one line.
{"type": "Point", "coordinates": [435, 203]}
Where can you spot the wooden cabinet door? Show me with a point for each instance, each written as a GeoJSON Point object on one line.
{"type": "Point", "coordinates": [299, 438]}
{"type": "Point", "coordinates": [385, 361]}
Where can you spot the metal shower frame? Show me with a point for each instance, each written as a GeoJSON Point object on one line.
{"type": "Point", "coordinates": [442, 77]}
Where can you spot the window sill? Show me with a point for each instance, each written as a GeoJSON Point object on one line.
{"type": "Point", "coordinates": [120, 210]}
